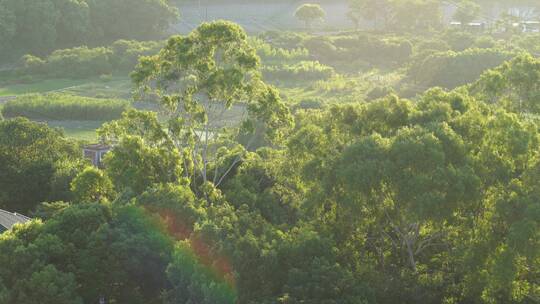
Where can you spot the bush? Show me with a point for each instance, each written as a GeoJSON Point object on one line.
{"type": "Point", "coordinates": [302, 71]}
{"type": "Point", "coordinates": [83, 62]}
{"type": "Point", "coordinates": [451, 69]}
{"type": "Point", "coordinates": [126, 53]}
{"type": "Point", "coordinates": [275, 55]}
{"type": "Point", "coordinates": [379, 51]}
{"type": "Point", "coordinates": [64, 107]}
{"type": "Point", "coordinates": [459, 40]}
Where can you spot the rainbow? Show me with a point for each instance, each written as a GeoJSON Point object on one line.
{"type": "Point", "coordinates": [196, 255]}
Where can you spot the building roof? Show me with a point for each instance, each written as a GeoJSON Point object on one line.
{"type": "Point", "coordinates": [97, 147]}
{"type": "Point", "coordinates": [8, 219]}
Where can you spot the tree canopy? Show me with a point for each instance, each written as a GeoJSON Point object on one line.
{"type": "Point", "coordinates": [309, 14]}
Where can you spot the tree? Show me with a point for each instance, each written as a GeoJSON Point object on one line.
{"type": "Point", "coordinates": [309, 14]}
{"type": "Point", "coordinates": [135, 166]}
{"type": "Point", "coordinates": [92, 185]}
{"type": "Point", "coordinates": [7, 26]}
{"type": "Point", "coordinates": [201, 78]}
{"type": "Point", "coordinates": [467, 11]}
{"type": "Point", "coordinates": [514, 84]}
{"type": "Point", "coordinates": [39, 26]}
{"type": "Point", "coordinates": [506, 24]}
{"type": "Point", "coordinates": [372, 10]}
{"type": "Point", "coordinates": [414, 15]}
{"type": "Point", "coordinates": [130, 19]}
{"type": "Point", "coordinates": [84, 252]}
{"type": "Point", "coordinates": [36, 164]}
{"type": "Point", "coordinates": [35, 25]}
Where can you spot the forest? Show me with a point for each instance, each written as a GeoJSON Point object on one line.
{"type": "Point", "coordinates": [330, 152]}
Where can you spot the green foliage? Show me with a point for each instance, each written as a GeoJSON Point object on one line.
{"type": "Point", "coordinates": [432, 200]}
{"type": "Point", "coordinates": [57, 106]}
{"type": "Point", "coordinates": [135, 166]}
{"type": "Point", "coordinates": [364, 165]}
{"type": "Point", "coordinates": [451, 69]}
{"type": "Point", "coordinates": [39, 27]}
{"type": "Point", "coordinates": [399, 15]}
{"type": "Point", "coordinates": [194, 282]}
{"type": "Point", "coordinates": [83, 62]}
{"type": "Point", "coordinates": [277, 55]}
{"type": "Point", "coordinates": [301, 71]}
{"type": "Point", "coordinates": [198, 78]}
{"type": "Point", "coordinates": [514, 84]}
{"type": "Point", "coordinates": [371, 10]}
{"type": "Point", "coordinates": [92, 185]}
{"type": "Point", "coordinates": [35, 161]}
{"type": "Point", "coordinates": [369, 49]}
{"type": "Point", "coordinates": [467, 11]}
{"type": "Point", "coordinates": [310, 13]}
{"type": "Point", "coordinates": [416, 15]}
{"type": "Point", "coordinates": [78, 62]}
{"type": "Point", "coordinates": [84, 252]}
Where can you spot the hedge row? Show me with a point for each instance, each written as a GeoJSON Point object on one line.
{"type": "Point", "coordinates": [64, 107]}
{"type": "Point", "coordinates": [82, 62]}
{"type": "Point", "coordinates": [302, 71]}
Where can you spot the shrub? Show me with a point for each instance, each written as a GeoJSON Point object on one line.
{"type": "Point", "coordinates": [302, 71]}
{"type": "Point", "coordinates": [452, 69]}
{"type": "Point", "coordinates": [79, 62]}
{"type": "Point", "coordinates": [459, 40]}
{"type": "Point", "coordinates": [126, 53]}
{"type": "Point", "coordinates": [378, 51]}
{"type": "Point", "coordinates": [275, 55]}
{"type": "Point", "coordinates": [64, 107]}
{"type": "Point", "coordinates": [82, 62]}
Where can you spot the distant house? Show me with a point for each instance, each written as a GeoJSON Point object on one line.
{"type": "Point", "coordinates": [8, 219]}
{"type": "Point", "coordinates": [95, 153]}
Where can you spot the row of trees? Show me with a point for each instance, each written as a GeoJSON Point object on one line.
{"type": "Point", "coordinates": [403, 15]}
{"type": "Point", "coordinates": [38, 27]}
{"type": "Point", "coordinates": [418, 14]}
{"type": "Point", "coordinates": [57, 106]}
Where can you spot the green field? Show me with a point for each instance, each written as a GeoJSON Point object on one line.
{"type": "Point", "coordinates": [115, 87]}
{"type": "Point", "coordinates": [82, 130]}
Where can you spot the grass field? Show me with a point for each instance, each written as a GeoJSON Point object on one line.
{"type": "Point", "coordinates": [81, 130]}
{"type": "Point", "coordinates": [117, 87]}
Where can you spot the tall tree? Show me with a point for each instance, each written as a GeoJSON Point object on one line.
{"type": "Point", "coordinates": [466, 12]}
{"type": "Point", "coordinates": [413, 15]}
{"type": "Point", "coordinates": [200, 79]}
{"type": "Point", "coordinates": [371, 10]}
{"type": "Point", "coordinates": [309, 14]}
{"type": "Point", "coordinates": [7, 26]}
